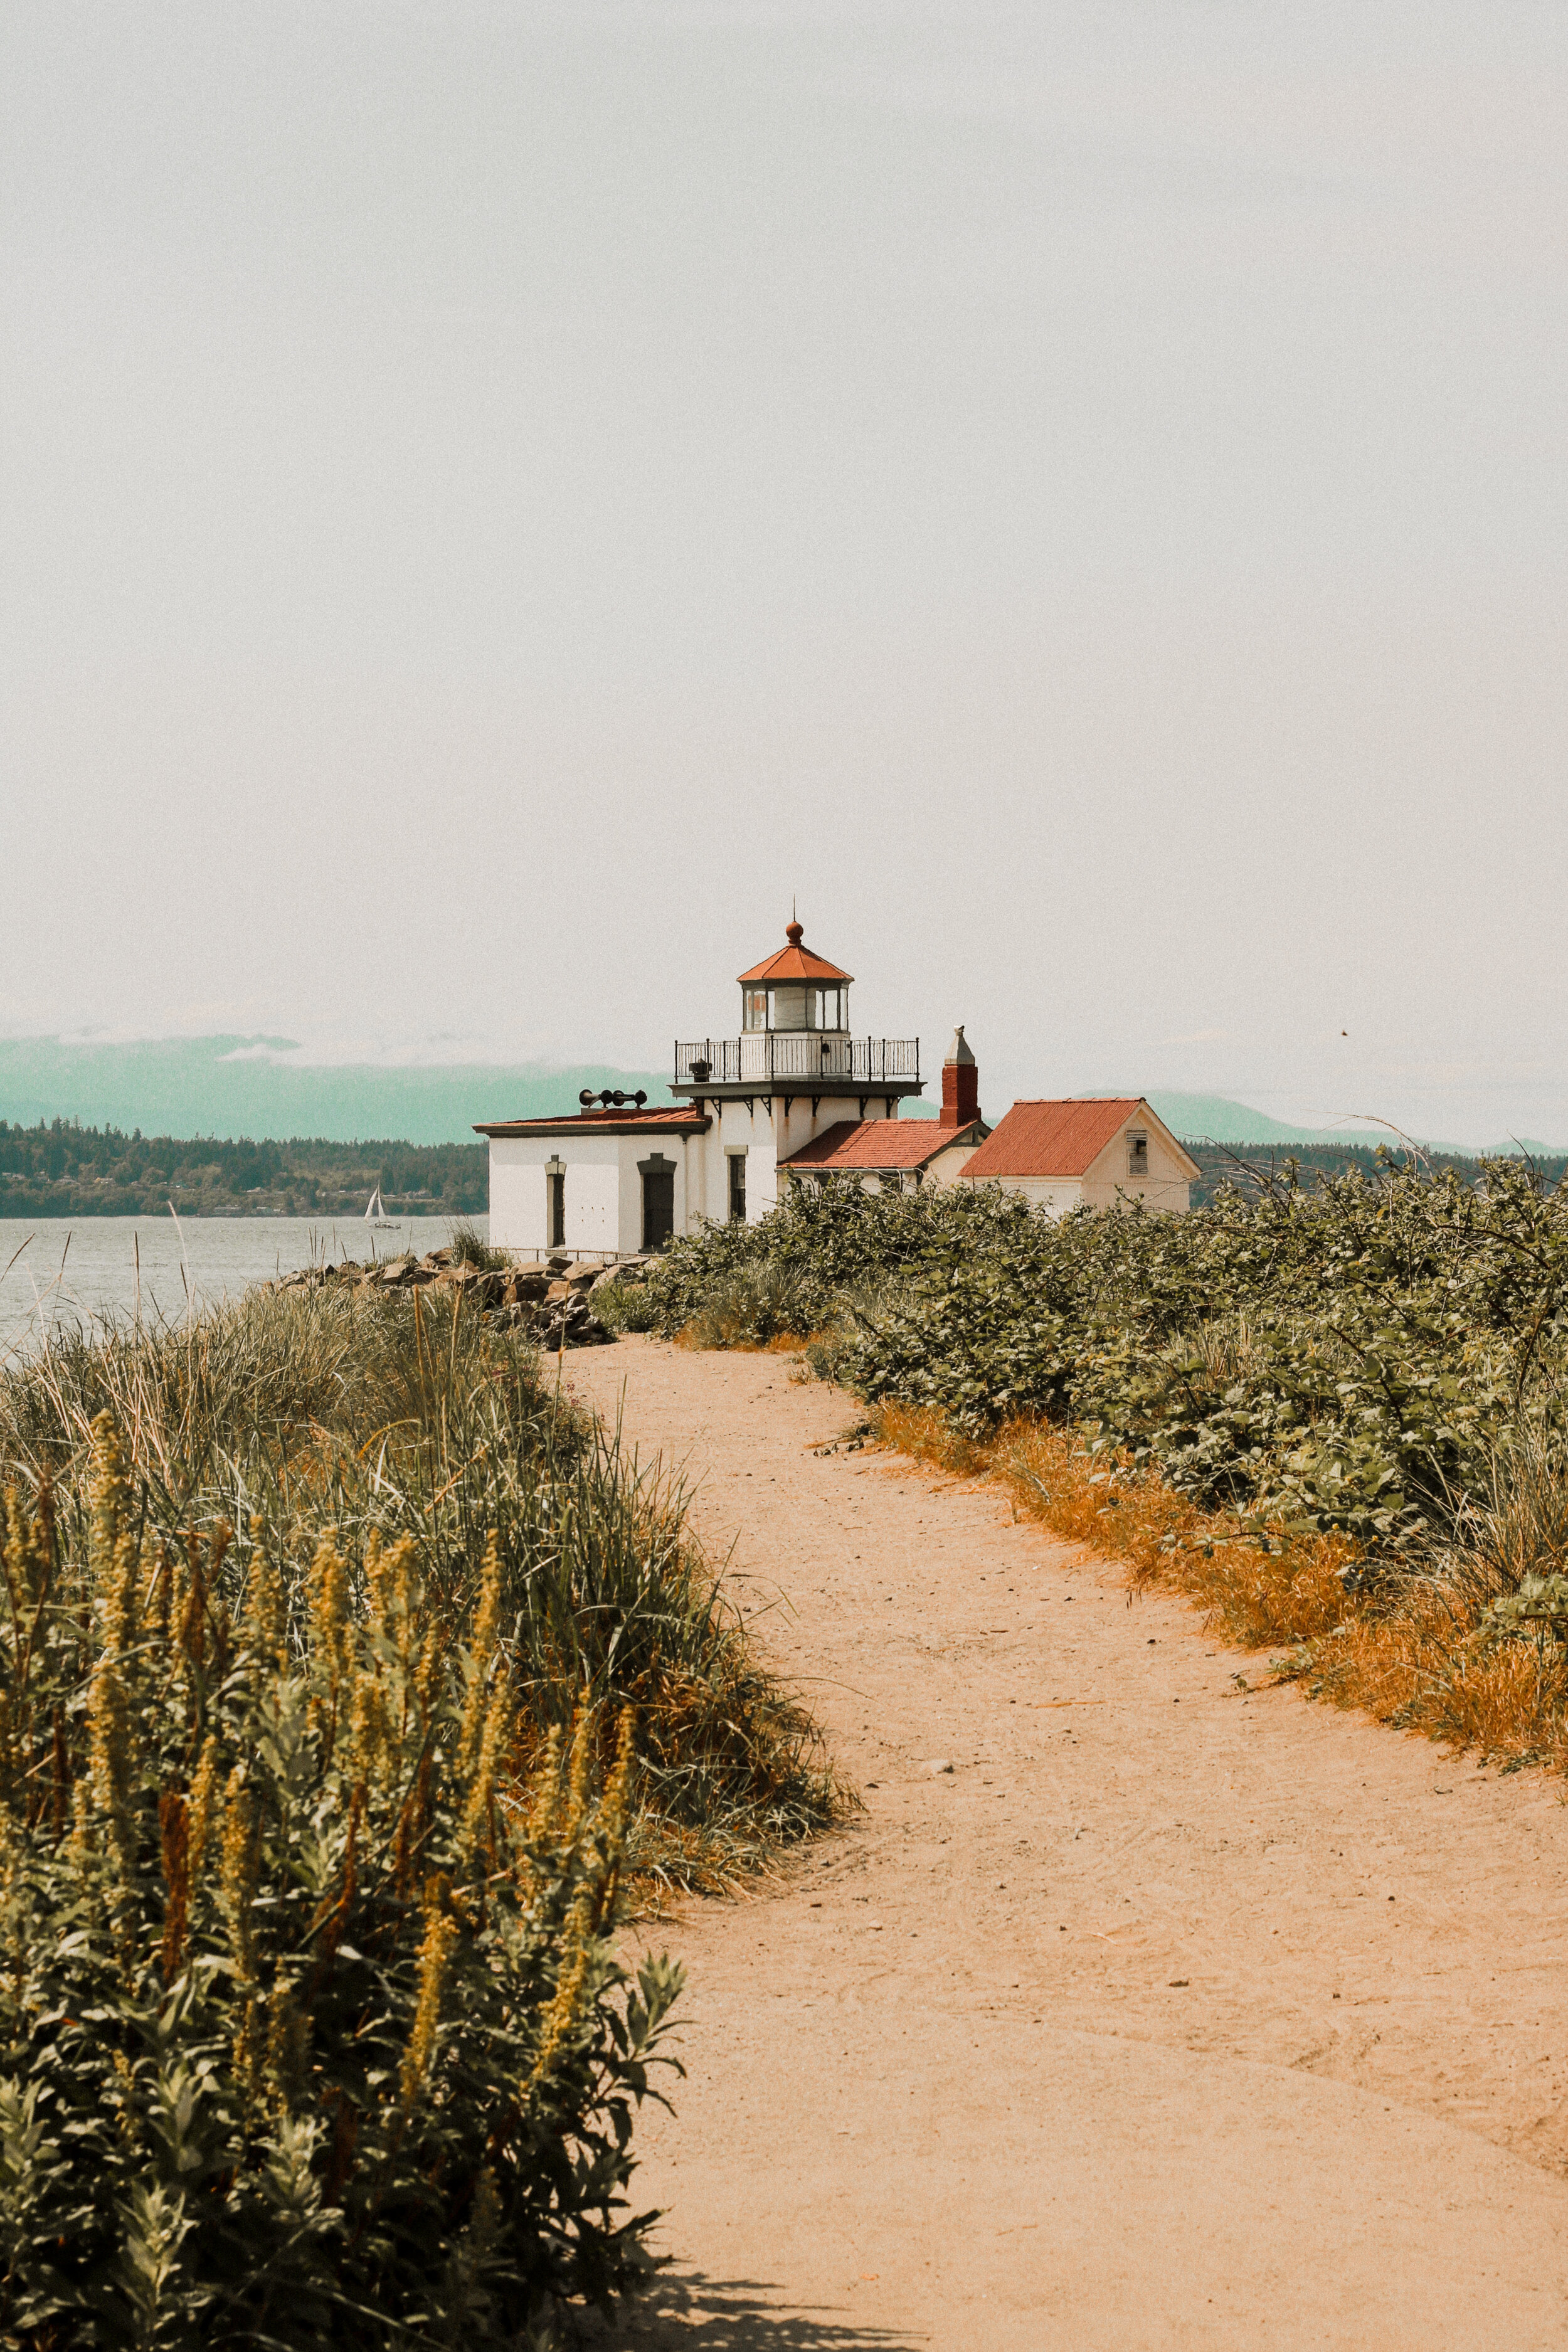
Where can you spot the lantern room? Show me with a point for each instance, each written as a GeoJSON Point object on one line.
{"type": "Point", "coordinates": [796, 989]}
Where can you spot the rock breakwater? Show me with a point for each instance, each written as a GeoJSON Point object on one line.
{"type": "Point", "coordinates": [553, 1301]}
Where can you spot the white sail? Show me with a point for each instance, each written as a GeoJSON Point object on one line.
{"type": "Point", "coordinates": [374, 1209]}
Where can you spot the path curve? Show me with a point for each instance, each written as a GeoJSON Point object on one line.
{"type": "Point", "coordinates": [1173, 2014]}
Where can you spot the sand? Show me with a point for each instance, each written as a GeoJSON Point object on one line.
{"type": "Point", "coordinates": [1140, 2007]}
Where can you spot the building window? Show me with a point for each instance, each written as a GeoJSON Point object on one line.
{"type": "Point", "coordinates": [756, 1008]}
{"type": "Point", "coordinates": [1137, 1155]}
{"type": "Point", "coordinates": [556, 1184]}
{"type": "Point", "coordinates": [737, 1187]}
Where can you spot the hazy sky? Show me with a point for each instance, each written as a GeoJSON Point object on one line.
{"type": "Point", "coordinates": [495, 498]}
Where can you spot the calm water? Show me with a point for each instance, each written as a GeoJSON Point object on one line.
{"type": "Point", "coordinates": [88, 1271]}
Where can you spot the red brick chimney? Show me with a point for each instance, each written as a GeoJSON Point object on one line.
{"type": "Point", "coordinates": [960, 1084]}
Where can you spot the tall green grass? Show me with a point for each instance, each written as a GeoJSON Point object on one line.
{"type": "Point", "coordinates": [307, 1410]}
{"type": "Point", "coordinates": [312, 2027]}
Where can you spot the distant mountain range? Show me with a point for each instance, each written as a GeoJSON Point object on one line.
{"type": "Point", "coordinates": [231, 1086]}
{"type": "Point", "coordinates": [1213, 1119]}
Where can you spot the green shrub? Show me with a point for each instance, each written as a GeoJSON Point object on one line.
{"type": "Point", "coordinates": [625, 1307]}
{"type": "Point", "coordinates": [311, 2028]}
{"type": "Point", "coordinates": [1352, 1357]}
{"type": "Point", "coordinates": [751, 1304]}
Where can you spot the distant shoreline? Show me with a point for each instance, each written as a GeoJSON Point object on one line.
{"type": "Point", "coordinates": [63, 1169]}
{"type": "Point", "coordinates": [353, 1213]}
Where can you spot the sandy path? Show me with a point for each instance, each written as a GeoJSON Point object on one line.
{"type": "Point", "coordinates": [1175, 2014]}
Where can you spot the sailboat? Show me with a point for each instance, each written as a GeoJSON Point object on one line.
{"type": "Point", "coordinates": [375, 1215]}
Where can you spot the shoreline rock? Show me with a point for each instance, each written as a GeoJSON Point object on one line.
{"type": "Point", "coordinates": [551, 1300]}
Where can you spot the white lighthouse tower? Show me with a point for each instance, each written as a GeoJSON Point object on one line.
{"type": "Point", "coordinates": [624, 1176]}
{"type": "Point", "coordinates": [795, 1069]}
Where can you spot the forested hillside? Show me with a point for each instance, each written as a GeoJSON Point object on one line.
{"type": "Point", "coordinates": [62, 1170]}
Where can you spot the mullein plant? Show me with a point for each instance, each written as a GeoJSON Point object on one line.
{"type": "Point", "coordinates": [311, 2029]}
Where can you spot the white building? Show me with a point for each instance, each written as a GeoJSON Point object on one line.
{"type": "Point", "coordinates": [619, 1177]}
{"type": "Point", "coordinates": [1086, 1152]}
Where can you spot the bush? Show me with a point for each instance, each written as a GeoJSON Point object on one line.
{"type": "Point", "coordinates": [1334, 1417]}
{"type": "Point", "coordinates": [312, 2027]}
{"type": "Point", "coordinates": [752, 1304]}
{"type": "Point", "coordinates": [626, 1306]}
{"type": "Point", "coordinates": [1349, 1358]}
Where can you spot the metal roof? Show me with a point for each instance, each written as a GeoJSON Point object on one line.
{"type": "Point", "coordinates": [1056, 1139]}
{"type": "Point", "coordinates": [794, 962]}
{"type": "Point", "coordinates": [680, 1117]}
{"type": "Point", "coordinates": [874, 1143]}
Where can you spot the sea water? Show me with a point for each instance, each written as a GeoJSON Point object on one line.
{"type": "Point", "coordinates": [94, 1270]}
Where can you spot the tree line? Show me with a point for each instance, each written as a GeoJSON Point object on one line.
{"type": "Point", "coordinates": [59, 1167]}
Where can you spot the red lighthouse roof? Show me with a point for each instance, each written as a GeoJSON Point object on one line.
{"type": "Point", "coordinates": [794, 962]}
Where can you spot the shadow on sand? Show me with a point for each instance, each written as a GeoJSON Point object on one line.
{"type": "Point", "coordinates": [685, 2312]}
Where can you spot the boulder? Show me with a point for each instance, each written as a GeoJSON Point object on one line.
{"type": "Point", "coordinates": [629, 1270]}
{"type": "Point", "coordinates": [574, 1330]}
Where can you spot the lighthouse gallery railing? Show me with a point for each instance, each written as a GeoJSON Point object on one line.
{"type": "Point", "coordinates": [762, 1056]}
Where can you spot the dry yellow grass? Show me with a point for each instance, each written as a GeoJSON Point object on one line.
{"type": "Point", "coordinates": [1258, 1585]}
{"type": "Point", "coordinates": [784, 1343]}
{"type": "Point", "coordinates": [1419, 1662]}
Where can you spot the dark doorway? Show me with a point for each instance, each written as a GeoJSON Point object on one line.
{"type": "Point", "coordinates": [738, 1188]}
{"type": "Point", "coordinates": [557, 1211]}
{"type": "Point", "coordinates": [658, 1202]}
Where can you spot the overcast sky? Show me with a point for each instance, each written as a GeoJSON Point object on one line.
{"type": "Point", "coordinates": [496, 499]}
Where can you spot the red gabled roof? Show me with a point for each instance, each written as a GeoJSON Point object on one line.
{"type": "Point", "coordinates": [861, 1143]}
{"type": "Point", "coordinates": [678, 1116]}
{"type": "Point", "coordinates": [1052, 1138]}
{"type": "Point", "coordinates": [795, 963]}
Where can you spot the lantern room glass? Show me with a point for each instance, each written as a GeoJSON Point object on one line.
{"type": "Point", "coordinates": [800, 1008]}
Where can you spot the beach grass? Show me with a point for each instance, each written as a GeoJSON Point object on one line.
{"type": "Point", "coordinates": [374, 1419]}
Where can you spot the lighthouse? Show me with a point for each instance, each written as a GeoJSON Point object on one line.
{"type": "Point", "coordinates": [795, 1068]}
{"type": "Point", "coordinates": [619, 1177]}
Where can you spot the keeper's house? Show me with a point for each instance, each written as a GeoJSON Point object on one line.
{"type": "Point", "coordinates": [1085, 1153]}
{"type": "Point", "coordinates": [621, 1177]}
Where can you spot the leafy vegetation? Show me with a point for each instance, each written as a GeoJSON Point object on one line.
{"type": "Point", "coordinates": [1336, 1412]}
{"type": "Point", "coordinates": [65, 1170]}
{"type": "Point", "coordinates": [321, 1625]}
{"type": "Point", "coordinates": [1345, 1357]}
{"type": "Point", "coordinates": [469, 1247]}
